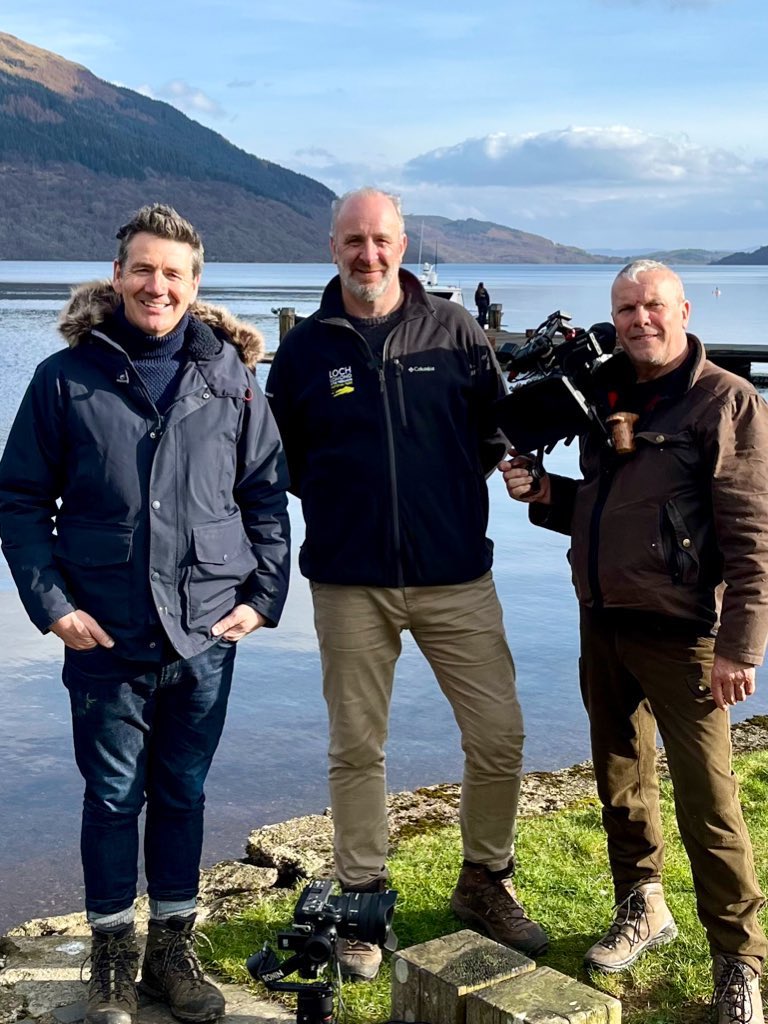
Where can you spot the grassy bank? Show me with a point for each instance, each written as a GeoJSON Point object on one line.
{"type": "Point", "coordinates": [564, 882]}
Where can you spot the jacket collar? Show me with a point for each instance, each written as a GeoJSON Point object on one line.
{"type": "Point", "coordinates": [618, 370]}
{"type": "Point", "coordinates": [92, 303]}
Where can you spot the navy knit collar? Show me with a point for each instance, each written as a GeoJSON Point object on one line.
{"type": "Point", "coordinates": [137, 343]}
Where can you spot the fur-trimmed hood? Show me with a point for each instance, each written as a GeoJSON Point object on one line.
{"type": "Point", "coordinates": [93, 302]}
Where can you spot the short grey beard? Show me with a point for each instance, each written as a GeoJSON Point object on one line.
{"type": "Point", "coordinates": [367, 292]}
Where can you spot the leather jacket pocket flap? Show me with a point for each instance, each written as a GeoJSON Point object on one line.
{"type": "Point", "coordinates": [682, 556]}
{"type": "Point", "coordinates": [95, 545]}
{"type": "Point", "coordinates": [219, 543]}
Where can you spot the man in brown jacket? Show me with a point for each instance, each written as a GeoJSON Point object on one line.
{"type": "Point", "coordinates": [670, 563]}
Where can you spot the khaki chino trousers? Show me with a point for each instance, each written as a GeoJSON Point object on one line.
{"type": "Point", "coordinates": [634, 678]}
{"type": "Point", "coordinates": [459, 630]}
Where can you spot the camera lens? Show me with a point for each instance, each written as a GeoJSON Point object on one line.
{"type": "Point", "coordinates": [365, 916]}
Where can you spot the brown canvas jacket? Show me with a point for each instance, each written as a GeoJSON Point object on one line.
{"type": "Point", "coordinates": [679, 528]}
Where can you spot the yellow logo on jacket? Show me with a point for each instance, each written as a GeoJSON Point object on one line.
{"type": "Point", "coordinates": [341, 381]}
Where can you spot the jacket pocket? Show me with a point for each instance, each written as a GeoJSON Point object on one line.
{"type": "Point", "coordinates": [94, 546]}
{"type": "Point", "coordinates": [680, 554]}
{"type": "Point", "coordinates": [223, 559]}
{"type": "Point", "coordinates": [96, 563]}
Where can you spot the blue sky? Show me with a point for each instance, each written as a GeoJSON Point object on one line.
{"type": "Point", "coordinates": [620, 124]}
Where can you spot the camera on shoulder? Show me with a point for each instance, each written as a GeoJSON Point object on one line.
{"type": "Point", "coordinates": [554, 393]}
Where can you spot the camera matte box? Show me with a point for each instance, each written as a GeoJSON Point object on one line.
{"type": "Point", "coordinates": [431, 981]}
{"type": "Point", "coordinates": [541, 412]}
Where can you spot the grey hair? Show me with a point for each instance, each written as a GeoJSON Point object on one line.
{"type": "Point", "coordinates": [631, 271]}
{"type": "Point", "coordinates": [164, 222]}
{"type": "Point", "coordinates": [356, 193]}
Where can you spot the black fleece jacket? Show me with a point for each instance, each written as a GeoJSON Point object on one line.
{"type": "Point", "coordinates": [389, 453]}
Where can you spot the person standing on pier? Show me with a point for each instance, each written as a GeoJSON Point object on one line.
{"type": "Point", "coordinates": [149, 447]}
{"type": "Point", "coordinates": [383, 398]}
{"type": "Point", "coordinates": [483, 303]}
{"type": "Point", "coordinates": [669, 557]}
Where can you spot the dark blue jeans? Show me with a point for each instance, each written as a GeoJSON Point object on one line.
{"type": "Point", "coordinates": [144, 732]}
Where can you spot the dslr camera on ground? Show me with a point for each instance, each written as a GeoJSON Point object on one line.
{"type": "Point", "coordinates": [319, 919]}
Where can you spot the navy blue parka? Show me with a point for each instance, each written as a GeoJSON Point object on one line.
{"type": "Point", "coordinates": [155, 525]}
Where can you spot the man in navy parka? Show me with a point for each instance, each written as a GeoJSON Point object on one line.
{"type": "Point", "coordinates": [143, 516]}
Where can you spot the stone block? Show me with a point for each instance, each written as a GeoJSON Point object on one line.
{"type": "Point", "coordinates": [542, 997]}
{"type": "Point", "coordinates": [431, 981]}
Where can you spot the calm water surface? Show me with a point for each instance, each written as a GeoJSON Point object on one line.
{"type": "Point", "coordinates": [271, 763]}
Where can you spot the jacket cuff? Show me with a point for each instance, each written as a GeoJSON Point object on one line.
{"type": "Point", "coordinates": [558, 514]}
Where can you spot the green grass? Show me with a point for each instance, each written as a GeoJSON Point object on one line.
{"type": "Point", "coordinates": [563, 881]}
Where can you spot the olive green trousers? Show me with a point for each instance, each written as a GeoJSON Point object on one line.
{"type": "Point", "coordinates": [636, 676]}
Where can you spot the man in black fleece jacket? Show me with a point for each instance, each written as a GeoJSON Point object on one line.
{"type": "Point", "coordinates": [383, 398]}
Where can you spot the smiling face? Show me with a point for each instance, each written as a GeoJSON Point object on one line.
{"type": "Point", "coordinates": [367, 246]}
{"type": "Point", "coordinates": [651, 315]}
{"type": "Point", "coordinates": [157, 283]}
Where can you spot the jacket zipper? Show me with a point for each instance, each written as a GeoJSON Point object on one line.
{"type": "Point", "coordinates": [392, 464]}
{"type": "Point", "coordinates": [400, 392]}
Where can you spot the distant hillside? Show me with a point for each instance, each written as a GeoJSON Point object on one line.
{"type": "Point", "coordinates": [78, 155]}
{"type": "Point", "coordinates": [479, 241]}
{"type": "Point", "coordinates": [672, 256]}
{"type": "Point", "coordinates": [757, 258]}
{"type": "Point", "coordinates": [693, 256]}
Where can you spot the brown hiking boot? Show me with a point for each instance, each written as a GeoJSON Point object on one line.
{"type": "Point", "coordinates": [172, 973]}
{"type": "Point", "coordinates": [112, 997]}
{"type": "Point", "coordinates": [736, 998]}
{"type": "Point", "coordinates": [488, 904]}
{"type": "Point", "coordinates": [641, 921]}
{"type": "Point", "coordinates": [358, 961]}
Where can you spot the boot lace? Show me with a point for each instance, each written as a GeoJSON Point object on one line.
{"type": "Point", "coordinates": [113, 967]}
{"type": "Point", "coordinates": [179, 957]}
{"type": "Point", "coordinates": [510, 907]}
{"type": "Point", "coordinates": [732, 991]}
{"type": "Point", "coordinates": [630, 922]}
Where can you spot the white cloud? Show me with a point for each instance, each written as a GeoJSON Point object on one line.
{"type": "Point", "coordinates": [609, 186]}
{"type": "Point", "coordinates": [577, 156]}
{"type": "Point", "coordinates": [188, 98]}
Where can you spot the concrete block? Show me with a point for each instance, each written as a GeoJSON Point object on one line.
{"type": "Point", "coordinates": [542, 997]}
{"type": "Point", "coordinates": [431, 981]}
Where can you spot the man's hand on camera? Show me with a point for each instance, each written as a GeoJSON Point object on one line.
{"type": "Point", "coordinates": [241, 621]}
{"type": "Point", "coordinates": [516, 470]}
{"type": "Point", "coordinates": [81, 631]}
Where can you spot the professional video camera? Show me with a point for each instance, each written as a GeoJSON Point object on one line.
{"type": "Point", "coordinates": [318, 920]}
{"type": "Point", "coordinates": [553, 395]}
